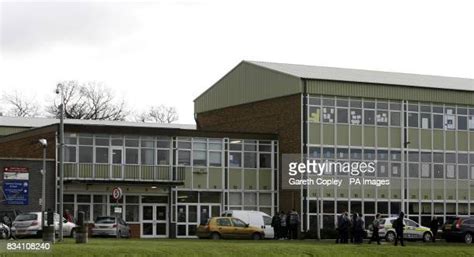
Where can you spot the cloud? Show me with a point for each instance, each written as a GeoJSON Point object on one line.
{"type": "Point", "coordinates": [33, 26]}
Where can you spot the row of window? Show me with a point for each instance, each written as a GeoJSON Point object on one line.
{"type": "Point", "coordinates": [372, 154]}
{"type": "Point", "coordinates": [357, 112]}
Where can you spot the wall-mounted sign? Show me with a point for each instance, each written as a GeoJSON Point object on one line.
{"type": "Point", "coordinates": [15, 173]}
{"type": "Point", "coordinates": [16, 192]}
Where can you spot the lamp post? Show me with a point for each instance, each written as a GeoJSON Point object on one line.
{"type": "Point", "coordinates": [43, 143]}
{"type": "Point", "coordinates": [60, 91]}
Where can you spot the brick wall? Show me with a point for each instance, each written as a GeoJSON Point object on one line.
{"type": "Point", "coordinates": [281, 116]}
{"type": "Point", "coordinates": [25, 145]}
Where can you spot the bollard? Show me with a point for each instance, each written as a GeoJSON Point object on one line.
{"type": "Point", "coordinates": [81, 229]}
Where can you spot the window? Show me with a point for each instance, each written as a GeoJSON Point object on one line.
{"type": "Point", "coordinates": [438, 171]}
{"type": "Point", "coordinates": [131, 156]}
{"type": "Point", "coordinates": [413, 120]}
{"type": "Point", "coordinates": [265, 160]}
{"type": "Point", "coordinates": [314, 114]}
{"type": "Point", "coordinates": [425, 120]}
{"type": "Point", "coordinates": [163, 143]}
{"type": "Point", "coordinates": [85, 154]}
{"type": "Point", "coordinates": [235, 159]}
{"type": "Point", "coordinates": [328, 114]}
{"type": "Point", "coordinates": [131, 142]}
{"type": "Point", "coordinates": [250, 160]}
{"type": "Point", "coordinates": [102, 141]}
{"type": "Point", "coordinates": [395, 119]}
{"type": "Point", "coordinates": [199, 158]}
{"type": "Point", "coordinates": [215, 159]}
{"type": "Point", "coordinates": [224, 222]}
{"type": "Point", "coordinates": [396, 169]}
{"type": "Point", "coordinates": [450, 171]}
{"type": "Point", "coordinates": [184, 157]}
{"type": "Point", "coordinates": [382, 118]}
{"type": "Point", "coordinates": [462, 172]}
{"type": "Point", "coordinates": [342, 153]}
{"type": "Point", "coordinates": [462, 122]}
{"type": "Point", "coordinates": [356, 116]}
{"type": "Point", "coordinates": [148, 155]}
{"type": "Point", "coordinates": [163, 157]}
{"type": "Point", "coordinates": [342, 115]}
{"type": "Point", "coordinates": [425, 170]}
{"type": "Point", "coordinates": [356, 154]}
{"type": "Point", "coordinates": [413, 170]}
{"type": "Point", "coordinates": [438, 121]}
{"type": "Point", "coordinates": [70, 154]}
{"type": "Point", "coordinates": [369, 117]}
{"type": "Point", "coordinates": [101, 155]}
{"type": "Point", "coordinates": [239, 223]}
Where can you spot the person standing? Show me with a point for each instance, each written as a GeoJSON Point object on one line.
{"type": "Point", "coordinates": [294, 220]}
{"type": "Point", "coordinates": [283, 226]}
{"type": "Point", "coordinates": [375, 229]}
{"type": "Point", "coordinates": [344, 228]}
{"type": "Point", "coordinates": [276, 223]}
{"type": "Point", "coordinates": [352, 227]}
{"type": "Point", "coordinates": [434, 228]}
{"type": "Point", "coordinates": [338, 228]}
{"type": "Point", "coordinates": [399, 226]}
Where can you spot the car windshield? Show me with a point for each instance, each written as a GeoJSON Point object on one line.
{"type": "Point", "coordinates": [25, 217]}
{"type": "Point", "coordinates": [105, 220]}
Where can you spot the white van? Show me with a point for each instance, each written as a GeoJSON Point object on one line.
{"type": "Point", "coordinates": [253, 218]}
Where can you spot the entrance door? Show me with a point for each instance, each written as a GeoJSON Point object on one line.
{"type": "Point", "coordinates": [190, 216]}
{"type": "Point", "coordinates": [154, 222]}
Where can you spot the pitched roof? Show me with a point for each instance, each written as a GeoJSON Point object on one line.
{"type": "Point", "coordinates": [367, 76]}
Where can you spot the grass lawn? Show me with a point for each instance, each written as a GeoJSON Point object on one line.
{"type": "Point", "coordinates": [208, 248]}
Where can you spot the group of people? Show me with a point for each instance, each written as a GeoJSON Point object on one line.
{"type": "Point", "coordinates": [285, 225]}
{"type": "Point", "coordinates": [350, 228]}
{"type": "Point", "coordinates": [357, 229]}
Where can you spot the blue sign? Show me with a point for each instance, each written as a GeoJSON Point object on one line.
{"type": "Point", "coordinates": [16, 192]}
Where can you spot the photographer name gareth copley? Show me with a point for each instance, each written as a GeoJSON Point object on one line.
{"type": "Point", "coordinates": [351, 169]}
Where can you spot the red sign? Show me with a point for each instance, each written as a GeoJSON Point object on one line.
{"type": "Point", "coordinates": [16, 169]}
{"type": "Point", "coordinates": [117, 193]}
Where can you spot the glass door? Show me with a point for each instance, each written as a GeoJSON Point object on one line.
{"type": "Point", "coordinates": [116, 157]}
{"type": "Point", "coordinates": [190, 216]}
{"type": "Point", "coordinates": [154, 220]}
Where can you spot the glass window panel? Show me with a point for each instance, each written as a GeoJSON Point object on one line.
{"type": "Point", "coordinates": [148, 142]}
{"type": "Point", "coordinates": [163, 157]}
{"type": "Point", "coordinates": [70, 139]}
{"type": "Point", "coordinates": [235, 145]}
{"type": "Point", "coordinates": [413, 107]}
{"type": "Point", "coordinates": [413, 156]}
{"type": "Point", "coordinates": [314, 100]}
{"type": "Point", "coordinates": [315, 152]}
{"type": "Point", "coordinates": [369, 117]}
{"type": "Point", "coordinates": [235, 159]}
{"type": "Point", "coordinates": [250, 160]}
{"type": "Point", "coordinates": [184, 157]}
{"type": "Point", "coordinates": [117, 141]}
{"type": "Point", "coordinates": [382, 155]}
{"type": "Point", "coordinates": [163, 143]}
{"type": "Point", "coordinates": [131, 142]}
{"type": "Point", "coordinates": [462, 122]}
{"type": "Point", "coordinates": [101, 155]}
{"type": "Point", "coordinates": [438, 171]}
{"type": "Point", "coordinates": [395, 106]}
{"type": "Point", "coordinates": [438, 121]}
{"type": "Point", "coordinates": [265, 160]}
{"type": "Point", "coordinates": [70, 154]}
{"type": "Point", "coordinates": [382, 105]}
{"type": "Point", "coordinates": [395, 119]}
{"type": "Point", "coordinates": [328, 153]}
{"type": "Point", "coordinates": [184, 145]}
{"type": "Point", "coordinates": [148, 156]}
{"type": "Point", "coordinates": [342, 153]}
{"type": "Point", "coordinates": [463, 158]}
{"type": "Point", "coordinates": [356, 154]}
{"type": "Point", "coordinates": [215, 159]}
{"type": "Point", "coordinates": [463, 172]}
{"type": "Point", "coordinates": [102, 141]}
{"type": "Point", "coordinates": [396, 169]}
{"type": "Point", "coordinates": [199, 158]}
{"type": "Point", "coordinates": [425, 170]}
{"type": "Point", "coordinates": [382, 118]}
{"type": "Point", "coordinates": [425, 120]}
{"type": "Point", "coordinates": [328, 101]}
{"type": "Point", "coordinates": [438, 157]}
{"type": "Point", "coordinates": [85, 140]}
{"type": "Point", "coordinates": [438, 109]}
{"type": "Point", "coordinates": [356, 103]}
{"type": "Point", "coordinates": [85, 154]}
{"type": "Point", "coordinates": [356, 116]}
{"type": "Point", "coordinates": [425, 156]}
{"type": "Point", "coordinates": [450, 157]}
{"type": "Point", "coordinates": [342, 115]}
{"type": "Point", "coordinates": [369, 104]}
{"type": "Point", "coordinates": [314, 114]}
{"type": "Point", "coordinates": [395, 156]}
{"type": "Point", "coordinates": [200, 146]}
{"type": "Point", "coordinates": [425, 108]}
{"type": "Point", "coordinates": [450, 171]}
{"type": "Point", "coordinates": [413, 120]}
{"type": "Point", "coordinates": [131, 156]}
{"type": "Point", "coordinates": [413, 170]}
{"type": "Point", "coordinates": [329, 114]}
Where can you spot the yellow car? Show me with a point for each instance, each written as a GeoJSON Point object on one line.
{"type": "Point", "coordinates": [227, 227]}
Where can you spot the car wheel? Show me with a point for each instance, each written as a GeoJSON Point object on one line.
{"type": "Point", "coordinates": [73, 233]}
{"type": "Point", "coordinates": [427, 237]}
{"type": "Point", "coordinates": [256, 236]}
{"type": "Point", "coordinates": [468, 238]}
{"type": "Point", "coordinates": [390, 237]}
{"type": "Point", "coordinates": [215, 236]}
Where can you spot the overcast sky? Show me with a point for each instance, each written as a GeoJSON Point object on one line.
{"type": "Point", "coordinates": [168, 52]}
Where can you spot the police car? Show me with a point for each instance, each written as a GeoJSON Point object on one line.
{"type": "Point", "coordinates": [412, 230]}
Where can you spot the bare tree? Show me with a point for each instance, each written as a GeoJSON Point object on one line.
{"type": "Point", "coordinates": [19, 105]}
{"type": "Point", "coordinates": [159, 114]}
{"type": "Point", "coordinates": [89, 101]}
